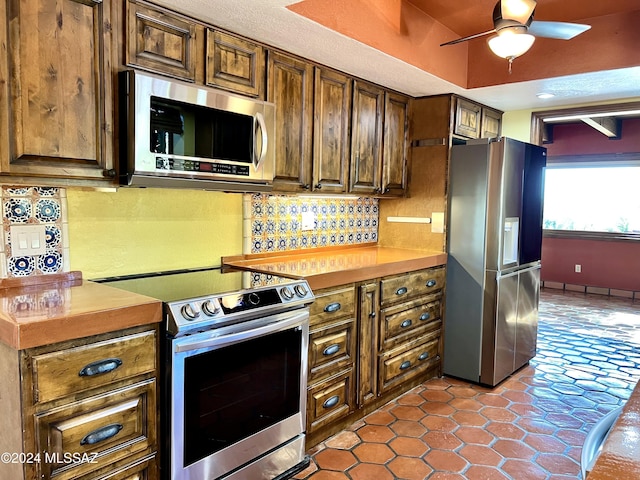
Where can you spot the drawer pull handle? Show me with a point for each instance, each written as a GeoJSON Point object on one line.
{"type": "Point", "coordinates": [423, 356]}
{"type": "Point", "coordinates": [331, 350]}
{"type": "Point", "coordinates": [431, 283]}
{"type": "Point", "coordinates": [402, 291]}
{"type": "Point", "coordinates": [332, 307]}
{"type": "Point", "coordinates": [425, 316]}
{"type": "Point", "coordinates": [404, 365]}
{"type": "Point", "coordinates": [101, 434]}
{"type": "Point", "coordinates": [101, 366]}
{"type": "Point", "coordinates": [405, 324]}
{"type": "Point", "coordinates": [331, 402]}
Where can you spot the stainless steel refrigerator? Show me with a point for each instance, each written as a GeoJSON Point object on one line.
{"type": "Point", "coordinates": [494, 238]}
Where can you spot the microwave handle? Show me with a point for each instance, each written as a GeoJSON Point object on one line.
{"type": "Point", "coordinates": [258, 158]}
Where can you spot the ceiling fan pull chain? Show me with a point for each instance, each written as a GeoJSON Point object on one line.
{"type": "Point", "coordinates": [510, 62]}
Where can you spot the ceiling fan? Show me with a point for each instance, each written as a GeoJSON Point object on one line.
{"type": "Point", "coordinates": [516, 29]}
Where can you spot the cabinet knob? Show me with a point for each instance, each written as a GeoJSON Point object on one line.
{"type": "Point", "coordinates": [319, 186]}
{"type": "Point", "coordinates": [306, 186]}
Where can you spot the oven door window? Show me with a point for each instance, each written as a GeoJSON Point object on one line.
{"type": "Point", "coordinates": [195, 131]}
{"type": "Point", "coordinates": [233, 392]}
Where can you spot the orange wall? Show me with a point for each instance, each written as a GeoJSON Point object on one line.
{"type": "Point", "coordinates": [607, 264]}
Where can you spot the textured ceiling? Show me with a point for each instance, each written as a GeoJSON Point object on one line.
{"type": "Point", "coordinates": [396, 43]}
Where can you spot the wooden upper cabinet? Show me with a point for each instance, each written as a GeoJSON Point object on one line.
{"type": "Point", "coordinates": [160, 41]}
{"type": "Point", "coordinates": [467, 118]}
{"type": "Point", "coordinates": [396, 144]}
{"type": "Point", "coordinates": [290, 88]}
{"type": "Point", "coordinates": [491, 123]}
{"type": "Point", "coordinates": [235, 64]}
{"type": "Point", "coordinates": [331, 113]}
{"type": "Point", "coordinates": [366, 138]}
{"type": "Point", "coordinates": [56, 104]}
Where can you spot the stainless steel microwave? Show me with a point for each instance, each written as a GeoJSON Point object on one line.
{"type": "Point", "coordinates": [180, 135]}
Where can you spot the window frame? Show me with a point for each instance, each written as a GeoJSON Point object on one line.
{"type": "Point", "coordinates": [595, 161]}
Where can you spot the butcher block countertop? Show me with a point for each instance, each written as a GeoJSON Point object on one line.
{"type": "Point", "coordinates": [333, 266]}
{"type": "Point", "coordinates": [50, 310]}
{"type": "Point", "coordinates": [620, 456]}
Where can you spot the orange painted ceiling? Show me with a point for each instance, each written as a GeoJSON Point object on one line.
{"type": "Point", "coordinates": [412, 30]}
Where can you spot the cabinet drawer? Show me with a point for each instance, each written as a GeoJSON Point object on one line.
{"type": "Point", "coordinates": [331, 350]}
{"type": "Point", "coordinates": [403, 287]}
{"type": "Point", "coordinates": [330, 400]}
{"type": "Point", "coordinates": [78, 369]}
{"type": "Point", "coordinates": [410, 319]}
{"type": "Point", "coordinates": [402, 364]}
{"type": "Point", "coordinates": [98, 431]}
{"type": "Point", "coordinates": [332, 304]}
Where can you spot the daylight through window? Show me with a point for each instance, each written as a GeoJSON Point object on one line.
{"type": "Point", "coordinates": [588, 198]}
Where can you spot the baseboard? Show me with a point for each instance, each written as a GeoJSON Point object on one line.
{"type": "Point", "coordinates": [610, 292]}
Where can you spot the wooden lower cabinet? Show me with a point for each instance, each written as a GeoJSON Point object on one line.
{"type": "Point", "coordinates": [368, 344]}
{"type": "Point", "coordinates": [87, 408]}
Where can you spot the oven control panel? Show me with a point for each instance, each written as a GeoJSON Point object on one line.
{"type": "Point", "coordinates": [210, 312]}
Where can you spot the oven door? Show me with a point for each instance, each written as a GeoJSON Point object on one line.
{"type": "Point", "coordinates": [238, 394]}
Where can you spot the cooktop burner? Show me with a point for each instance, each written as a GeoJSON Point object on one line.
{"type": "Point", "coordinates": [206, 298]}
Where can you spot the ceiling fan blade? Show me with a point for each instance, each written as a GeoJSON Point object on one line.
{"type": "Point", "coordinates": [557, 30]}
{"type": "Point", "coordinates": [470, 37]}
{"type": "Point", "coordinates": [517, 10]}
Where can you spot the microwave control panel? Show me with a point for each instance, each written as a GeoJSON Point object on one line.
{"type": "Point", "coordinates": [184, 165]}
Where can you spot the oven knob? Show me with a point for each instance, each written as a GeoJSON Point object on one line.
{"type": "Point", "coordinates": [301, 290]}
{"type": "Point", "coordinates": [254, 298]}
{"type": "Point", "coordinates": [286, 293]}
{"type": "Point", "coordinates": [189, 312]}
{"type": "Point", "coordinates": [210, 308]}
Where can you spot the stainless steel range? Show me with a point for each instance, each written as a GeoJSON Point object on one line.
{"type": "Point", "coordinates": [235, 371]}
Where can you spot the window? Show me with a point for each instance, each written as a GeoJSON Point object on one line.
{"type": "Point", "coordinates": [592, 198]}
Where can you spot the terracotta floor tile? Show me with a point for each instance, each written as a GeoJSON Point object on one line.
{"type": "Point", "coordinates": [530, 427]}
{"type": "Point", "coordinates": [513, 449]}
{"type": "Point", "coordinates": [478, 472]}
{"type": "Point", "coordinates": [367, 471]}
{"type": "Point", "coordinates": [407, 412]}
{"type": "Point", "coordinates": [445, 461]}
{"type": "Point", "coordinates": [332, 459]}
{"type": "Point", "coordinates": [441, 440]}
{"type": "Point", "coordinates": [375, 433]}
{"type": "Point", "coordinates": [558, 464]}
{"type": "Point", "coordinates": [408, 447]}
{"type": "Point", "coordinates": [407, 428]}
{"type": "Point", "coordinates": [480, 455]}
{"type": "Point", "coordinates": [474, 435]}
{"type": "Point", "coordinates": [344, 440]}
{"type": "Point", "coordinates": [409, 468]}
{"type": "Point", "coordinates": [373, 453]}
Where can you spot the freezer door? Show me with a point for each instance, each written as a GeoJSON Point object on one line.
{"type": "Point", "coordinates": [527, 328]}
{"type": "Point", "coordinates": [497, 359]}
{"type": "Point", "coordinates": [511, 201]}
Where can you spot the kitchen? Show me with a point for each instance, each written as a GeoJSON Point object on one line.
{"type": "Point", "coordinates": [118, 232]}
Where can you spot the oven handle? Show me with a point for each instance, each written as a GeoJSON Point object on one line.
{"type": "Point", "coordinates": [214, 338]}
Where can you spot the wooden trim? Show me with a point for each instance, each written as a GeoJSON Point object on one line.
{"type": "Point", "coordinates": [587, 235]}
{"type": "Point", "coordinates": [69, 279]}
{"type": "Point", "coordinates": [594, 159]}
{"type": "Point", "coordinates": [537, 118]}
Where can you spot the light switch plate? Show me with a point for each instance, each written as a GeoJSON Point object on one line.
{"type": "Point", "coordinates": [437, 222]}
{"type": "Point", "coordinates": [308, 221]}
{"type": "Point", "coordinates": [28, 240]}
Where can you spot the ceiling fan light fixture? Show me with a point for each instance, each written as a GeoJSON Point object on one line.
{"type": "Point", "coordinates": [510, 45]}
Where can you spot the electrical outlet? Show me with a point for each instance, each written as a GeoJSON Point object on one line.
{"type": "Point", "coordinates": [578, 268]}
{"type": "Point", "coordinates": [28, 240]}
{"type": "Point", "coordinates": [308, 221]}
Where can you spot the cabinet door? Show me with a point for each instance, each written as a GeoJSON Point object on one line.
{"type": "Point", "coordinates": [366, 139]}
{"type": "Point", "coordinates": [368, 343]}
{"type": "Point", "coordinates": [332, 105]}
{"type": "Point", "coordinates": [56, 115]}
{"type": "Point", "coordinates": [235, 64]}
{"type": "Point", "coordinates": [467, 119]}
{"type": "Point", "coordinates": [396, 142]}
{"type": "Point", "coordinates": [290, 88]}
{"type": "Point", "coordinates": [491, 123]}
{"type": "Point", "coordinates": [161, 42]}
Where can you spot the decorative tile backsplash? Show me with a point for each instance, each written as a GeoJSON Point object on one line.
{"type": "Point", "coordinates": [29, 206]}
{"type": "Point", "coordinates": [276, 223]}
